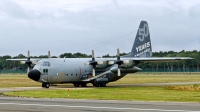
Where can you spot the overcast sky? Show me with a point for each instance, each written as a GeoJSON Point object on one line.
{"type": "Point", "coordinates": [103, 25]}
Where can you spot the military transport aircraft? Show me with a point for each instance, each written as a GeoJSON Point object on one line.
{"type": "Point", "coordinates": [98, 71]}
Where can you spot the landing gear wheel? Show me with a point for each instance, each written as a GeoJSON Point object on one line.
{"type": "Point", "coordinates": [102, 85]}
{"type": "Point", "coordinates": [43, 84]}
{"type": "Point", "coordinates": [76, 84]}
{"type": "Point", "coordinates": [96, 85]}
{"type": "Point", "coordinates": [83, 85]}
{"type": "Point", "coordinates": [46, 85]}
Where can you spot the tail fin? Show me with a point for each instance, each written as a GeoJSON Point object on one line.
{"type": "Point", "coordinates": [142, 44]}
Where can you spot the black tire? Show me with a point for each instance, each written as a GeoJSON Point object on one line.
{"type": "Point", "coordinates": [43, 84]}
{"type": "Point", "coordinates": [47, 85]}
{"type": "Point", "coordinates": [96, 85]}
{"type": "Point", "coordinates": [83, 85]}
{"type": "Point", "coordinates": [76, 84]}
{"type": "Point", "coordinates": [103, 85]}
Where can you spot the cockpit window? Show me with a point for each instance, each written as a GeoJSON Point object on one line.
{"type": "Point", "coordinates": [46, 64]}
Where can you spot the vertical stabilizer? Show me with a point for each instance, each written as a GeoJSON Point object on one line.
{"type": "Point", "coordinates": [142, 44]}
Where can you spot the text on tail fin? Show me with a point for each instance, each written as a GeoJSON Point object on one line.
{"type": "Point", "coordinates": [142, 44]}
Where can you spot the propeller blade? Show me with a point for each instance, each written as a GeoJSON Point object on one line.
{"type": "Point", "coordinates": [118, 62]}
{"type": "Point", "coordinates": [93, 55]}
{"type": "Point", "coordinates": [28, 54]}
{"type": "Point", "coordinates": [119, 72]}
{"type": "Point", "coordinates": [93, 63]}
{"type": "Point", "coordinates": [93, 72]}
{"type": "Point", "coordinates": [28, 70]}
{"type": "Point", "coordinates": [28, 62]}
{"type": "Point", "coordinates": [49, 54]}
{"type": "Point", "coordinates": [118, 53]}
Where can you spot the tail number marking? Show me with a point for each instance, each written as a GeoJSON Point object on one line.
{"type": "Point", "coordinates": [143, 32]}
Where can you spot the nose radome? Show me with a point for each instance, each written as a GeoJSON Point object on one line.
{"type": "Point", "coordinates": [34, 74]}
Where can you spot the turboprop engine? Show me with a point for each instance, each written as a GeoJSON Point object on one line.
{"type": "Point", "coordinates": [127, 64]}
{"type": "Point", "coordinates": [125, 70]}
{"type": "Point", "coordinates": [102, 64]}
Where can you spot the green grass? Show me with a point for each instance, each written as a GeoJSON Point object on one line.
{"type": "Point", "coordinates": [16, 80]}
{"type": "Point", "coordinates": [22, 80]}
{"type": "Point", "coordinates": [189, 93]}
{"type": "Point", "coordinates": [141, 78]}
{"type": "Point", "coordinates": [116, 93]}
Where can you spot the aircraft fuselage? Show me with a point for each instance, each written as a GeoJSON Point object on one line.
{"type": "Point", "coordinates": [69, 70]}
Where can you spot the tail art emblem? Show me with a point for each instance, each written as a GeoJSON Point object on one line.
{"type": "Point", "coordinates": [143, 32]}
{"type": "Point", "coordinates": [142, 44]}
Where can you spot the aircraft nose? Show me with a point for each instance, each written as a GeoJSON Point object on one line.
{"type": "Point", "coordinates": [34, 74]}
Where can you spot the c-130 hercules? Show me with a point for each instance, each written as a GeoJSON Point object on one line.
{"type": "Point", "coordinates": [98, 71]}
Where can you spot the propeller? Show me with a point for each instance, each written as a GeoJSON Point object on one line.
{"type": "Point", "coordinates": [49, 54]}
{"type": "Point", "coordinates": [28, 61]}
{"type": "Point", "coordinates": [118, 62]}
{"type": "Point", "coordinates": [93, 63]}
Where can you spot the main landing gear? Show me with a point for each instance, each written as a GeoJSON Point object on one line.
{"type": "Point", "coordinates": [80, 84]}
{"type": "Point", "coordinates": [85, 85]}
{"type": "Point", "coordinates": [46, 85]}
{"type": "Point", "coordinates": [99, 85]}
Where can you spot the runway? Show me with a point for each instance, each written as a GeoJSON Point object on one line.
{"type": "Point", "coordinates": [13, 104]}
{"type": "Point", "coordinates": [17, 104]}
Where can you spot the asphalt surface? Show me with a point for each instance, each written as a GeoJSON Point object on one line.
{"type": "Point", "coordinates": [17, 104]}
{"type": "Point", "coordinates": [13, 104]}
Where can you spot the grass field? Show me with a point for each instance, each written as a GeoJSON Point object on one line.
{"type": "Point", "coordinates": [141, 78]}
{"type": "Point", "coordinates": [21, 80]}
{"type": "Point", "coordinates": [186, 93]}
{"type": "Point", "coordinates": [117, 93]}
{"type": "Point", "coordinates": [16, 80]}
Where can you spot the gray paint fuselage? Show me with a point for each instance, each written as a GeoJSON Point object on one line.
{"type": "Point", "coordinates": [69, 70]}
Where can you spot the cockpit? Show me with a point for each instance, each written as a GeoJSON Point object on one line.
{"type": "Point", "coordinates": [42, 64]}
{"type": "Point", "coordinates": [46, 64]}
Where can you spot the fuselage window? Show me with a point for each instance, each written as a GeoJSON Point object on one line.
{"type": "Point", "coordinates": [45, 71]}
{"type": "Point", "coordinates": [46, 64]}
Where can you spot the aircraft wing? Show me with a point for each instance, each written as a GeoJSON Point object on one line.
{"type": "Point", "coordinates": [95, 77]}
{"type": "Point", "coordinates": [146, 59]}
{"type": "Point", "coordinates": [112, 61]}
{"type": "Point", "coordinates": [25, 59]}
{"type": "Point", "coordinates": [160, 59]}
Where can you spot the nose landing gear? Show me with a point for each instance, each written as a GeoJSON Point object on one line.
{"type": "Point", "coordinates": [46, 85]}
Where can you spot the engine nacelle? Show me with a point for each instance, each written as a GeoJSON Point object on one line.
{"type": "Point", "coordinates": [102, 64]}
{"type": "Point", "coordinates": [123, 70]}
{"type": "Point", "coordinates": [128, 64]}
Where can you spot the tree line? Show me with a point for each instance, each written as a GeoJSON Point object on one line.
{"type": "Point", "coordinates": [183, 65]}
